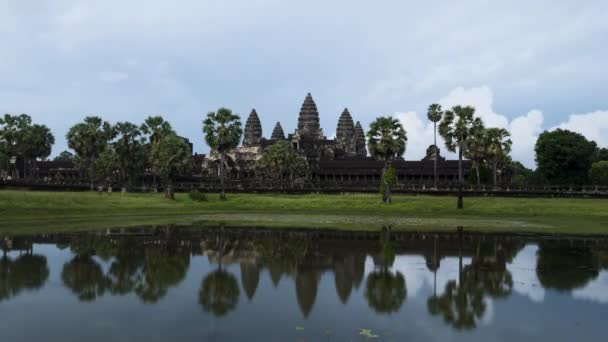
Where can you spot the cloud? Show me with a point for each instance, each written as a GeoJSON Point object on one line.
{"type": "Point", "coordinates": [595, 291]}
{"type": "Point", "coordinates": [594, 126]}
{"type": "Point", "coordinates": [523, 270]}
{"type": "Point", "coordinates": [524, 129]}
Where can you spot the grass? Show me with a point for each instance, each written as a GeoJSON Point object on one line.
{"type": "Point", "coordinates": [29, 212]}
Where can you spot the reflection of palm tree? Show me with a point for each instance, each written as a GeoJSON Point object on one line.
{"type": "Point", "coordinates": [162, 269]}
{"type": "Point", "coordinates": [463, 302]}
{"type": "Point", "coordinates": [459, 305]}
{"type": "Point", "coordinates": [28, 272]}
{"type": "Point", "coordinates": [219, 293]}
{"type": "Point", "coordinates": [385, 292]}
{"type": "Point", "coordinates": [84, 277]}
{"type": "Point", "coordinates": [566, 268]}
{"type": "Point", "coordinates": [250, 277]}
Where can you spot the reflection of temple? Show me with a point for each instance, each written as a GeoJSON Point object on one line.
{"type": "Point", "coordinates": [148, 263]}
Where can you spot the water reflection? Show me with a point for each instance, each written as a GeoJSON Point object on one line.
{"type": "Point", "coordinates": [457, 279]}
{"type": "Point", "coordinates": [28, 271]}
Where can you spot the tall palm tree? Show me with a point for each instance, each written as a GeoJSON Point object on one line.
{"type": "Point", "coordinates": [498, 147]}
{"type": "Point", "coordinates": [155, 127]}
{"type": "Point", "coordinates": [88, 139]}
{"type": "Point", "coordinates": [222, 132]}
{"type": "Point", "coordinates": [434, 114]}
{"type": "Point", "coordinates": [476, 150]}
{"type": "Point", "coordinates": [457, 128]}
{"type": "Point", "coordinates": [387, 140]}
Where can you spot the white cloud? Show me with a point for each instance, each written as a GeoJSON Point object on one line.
{"type": "Point", "coordinates": [593, 126]}
{"type": "Point", "coordinates": [524, 129]}
{"type": "Point", "coordinates": [112, 76]}
{"type": "Point", "coordinates": [596, 291]}
{"type": "Point", "coordinates": [523, 270]}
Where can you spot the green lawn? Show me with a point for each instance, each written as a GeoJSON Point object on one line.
{"type": "Point", "coordinates": [27, 212]}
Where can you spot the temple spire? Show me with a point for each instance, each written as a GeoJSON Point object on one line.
{"type": "Point", "coordinates": [308, 120]}
{"type": "Point", "coordinates": [345, 133]}
{"type": "Point", "coordinates": [360, 140]}
{"type": "Point", "coordinates": [277, 132]}
{"type": "Point", "coordinates": [253, 130]}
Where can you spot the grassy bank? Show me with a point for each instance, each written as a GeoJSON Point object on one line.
{"type": "Point", "coordinates": [27, 212]}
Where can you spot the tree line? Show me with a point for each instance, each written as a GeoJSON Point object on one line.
{"type": "Point", "coordinates": [125, 151]}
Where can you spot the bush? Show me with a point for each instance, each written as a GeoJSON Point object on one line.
{"type": "Point", "coordinates": [198, 196]}
{"type": "Point", "coordinates": [599, 173]}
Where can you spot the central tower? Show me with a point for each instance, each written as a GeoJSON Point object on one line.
{"type": "Point", "coordinates": [308, 120]}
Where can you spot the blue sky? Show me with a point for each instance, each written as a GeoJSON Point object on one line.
{"type": "Point", "coordinates": [526, 65]}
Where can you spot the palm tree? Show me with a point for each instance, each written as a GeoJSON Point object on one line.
{"type": "Point", "coordinates": [457, 128]}
{"type": "Point", "coordinates": [88, 139]}
{"type": "Point", "coordinates": [170, 156]}
{"type": "Point", "coordinates": [498, 147]}
{"type": "Point", "coordinates": [434, 114]}
{"type": "Point", "coordinates": [155, 127]}
{"type": "Point", "coordinates": [477, 151]}
{"type": "Point", "coordinates": [222, 132]}
{"type": "Point", "coordinates": [387, 139]}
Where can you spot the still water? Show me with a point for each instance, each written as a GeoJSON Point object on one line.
{"type": "Point", "coordinates": [219, 284]}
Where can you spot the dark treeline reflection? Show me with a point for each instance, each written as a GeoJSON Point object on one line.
{"type": "Point", "coordinates": [27, 271]}
{"type": "Point", "coordinates": [147, 263]}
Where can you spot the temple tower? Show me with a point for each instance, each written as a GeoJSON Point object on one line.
{"type": "Point", "coordinates": [308, 120]}
{"type": "Point", "coordinates": [360, 142]}
{"type": "Point", "coordinates": [277, 132]}
{"type": "Point", "coordinates": [253, 130]}
{"type": "Point", "coordinates": [345, 134]}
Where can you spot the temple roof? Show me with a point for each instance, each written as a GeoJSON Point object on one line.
{"type": "Point", "coordinates": [253, 130]}
{"type": "Point", "coordinates": [308, 120]}
{"type": "Point", "coordinates": [277, 132]}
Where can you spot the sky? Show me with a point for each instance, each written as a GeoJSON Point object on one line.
{"type": "Point", "coordinates": [528, 66]}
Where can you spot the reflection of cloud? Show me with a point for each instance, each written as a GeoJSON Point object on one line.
{"type": "Point", "coordinates": [488, 315]}
{"type": "Point", "coordinates": [523, 270]}
{"type": "Point", "coordinates": [596, 290]}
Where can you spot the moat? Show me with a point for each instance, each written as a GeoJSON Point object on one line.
{"type": "Point", "coordinates": [229, 284]}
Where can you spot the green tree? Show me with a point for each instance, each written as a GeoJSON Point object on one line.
{"type": "Point", "coordinates": [280, 160]}
{"type": "Point", "coordinates": [65, 156]}
{"type": "Point", "coordinates": [170, 156]}
{"type": "Point", "coordinates": [88, 139]}
{"type": "Point", "coordinates": [564, 157]}
{"type": "Point", "coordinates": [601, 154]}
{"type": "Point", "coordinates": [599, 172]}
{"type": "Point", "coordinates": [387, 140]}
{"type": "Point", "coordinates": [498, 148]}
{"type": "Point", "coordinates": [476, 150]}
{"type": "Point", "coordinates": [37, 144]}
{"type": "Point", "coordinates": [155, 128]}
{"type": "Point", "coordinates": [131, 152]}
{"type": "Point", "coordinates": [457, 128]}
{"type": "Point", "coordinates": [106, 164]}
{"type": "Point", "coordinates": [434, 114]}
{"type": "Point", "coordinates": [223, 132]}
{"type": "Point", "coordinates": [13, 129]}
{"type": "Point", "coordinates": [389, 180]}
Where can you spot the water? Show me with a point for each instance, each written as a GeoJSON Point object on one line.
{"type": "Point", "coordinates": [266, 285]}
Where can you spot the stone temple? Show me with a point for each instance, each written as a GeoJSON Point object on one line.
{"type": "Point", "coordinates": [342, 160]}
